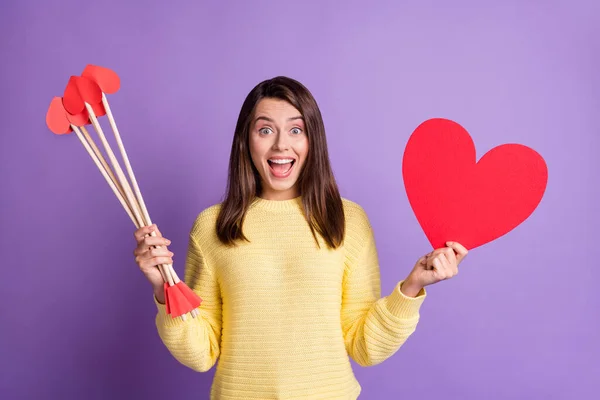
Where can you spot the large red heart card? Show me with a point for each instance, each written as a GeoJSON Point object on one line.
{"type": "Point", "coordinates": [457, 198]}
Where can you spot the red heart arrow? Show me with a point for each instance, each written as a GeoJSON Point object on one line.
{"type": "Point", "coordinates": [56, 117]}
{"type": "Point", "coordinates": [106, 78]}
{"type": "Point", "coordinates": [79, 91]}
{"type": "Point", "coordinates": [456, 198]}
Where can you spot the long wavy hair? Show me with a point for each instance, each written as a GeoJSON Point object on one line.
{"type": "Point", "coordinates": [321, 200]}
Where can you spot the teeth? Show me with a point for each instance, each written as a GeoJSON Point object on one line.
{"type": "Point", "coordinates": [282, 161]}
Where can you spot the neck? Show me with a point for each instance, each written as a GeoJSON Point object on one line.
{"type": "Point", "coordinates": [279, 195]}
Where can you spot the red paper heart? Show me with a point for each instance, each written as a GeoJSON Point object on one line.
{"type": "Point", "coordinates": [80, 119]}
{"type": "Point", "coordinates": [98, 109]}
{"type": "Point", "coordinates": [107, 79]}
{"type": "Point", "coordinates": [82, 90]}
{"type": "Point", "coordinates": [56, 117]}
{"type": "Point", "coordinates": [89, 90]}
{"type": "Point", "coordinates": [72, 100]}
{"type": "Point", "coordinates": [456, 198]}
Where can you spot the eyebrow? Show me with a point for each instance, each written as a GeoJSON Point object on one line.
{"type": "Point", "coordinates": [271, 120]}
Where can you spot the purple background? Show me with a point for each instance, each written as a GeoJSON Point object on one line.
{"type": "Point", "coordinates": [520, 321]}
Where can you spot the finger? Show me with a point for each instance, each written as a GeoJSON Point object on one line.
{"type": "Point", "coordinates": [450, 255]}
{"type": "Point", "coordinates": [430, 261]}
{"type": "Point", "coordinates": [142, 232]}
{"type": "Point", "coordinates": [431, 256]}
{"type": "Point", "coordinates": [438, 268]}
{"type": "Point", "coordinates": [155, 241]}
{"type": "Point", "coordinates": [445, 265]}
{"type": "Point", "coordinates": [449, 268]}
{"type": "Point", "coordinates": [155, 261]}
{"type": "Point", "coordinates": [438, 251]}
{"type": "Point", "coordinates": [153, 253]}
{"type": "Point", "coordinates": [159, 252]}
{"type": "Point", "coordinates": [140, 251]}
{"type": "Point", "coordinates": [460, 250]}
{"type": "Point", "coordinates": [150, 242]}
{"type": "Point", "coordinates": [156, 230]}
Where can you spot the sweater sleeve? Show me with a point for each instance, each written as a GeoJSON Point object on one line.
{"type": "Point", "coordinates": [374, 327]}
{"type": "Point", "coordinates": [195, 342]}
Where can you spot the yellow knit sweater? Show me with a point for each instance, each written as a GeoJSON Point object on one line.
{"type": "Point", "coordinates": [283, 316]}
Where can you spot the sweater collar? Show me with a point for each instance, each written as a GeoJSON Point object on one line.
{"type": "Point", "coordinates": [284, 205]}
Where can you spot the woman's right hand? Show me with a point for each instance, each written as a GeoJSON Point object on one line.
{"type": "Point", "coordinates": [148, 258]}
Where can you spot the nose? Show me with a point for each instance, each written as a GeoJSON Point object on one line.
{"type": "Point", "coordinates": [281, 142]}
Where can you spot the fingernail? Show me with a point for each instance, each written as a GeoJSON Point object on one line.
{"type": "Point", "coordinates": [168, 241]}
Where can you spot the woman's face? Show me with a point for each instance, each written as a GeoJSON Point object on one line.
{"type": "Point", "coordinates": [278, 147]}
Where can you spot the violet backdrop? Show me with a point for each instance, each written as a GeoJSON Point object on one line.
{"type": "Point", "coordinates": [521, 320]}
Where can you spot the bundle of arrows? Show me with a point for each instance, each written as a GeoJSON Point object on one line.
{"type": "Point", "coordinates": [83, 102]}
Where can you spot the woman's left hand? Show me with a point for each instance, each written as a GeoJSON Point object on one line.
{"type": "Point", "coordinates": [439, 265]}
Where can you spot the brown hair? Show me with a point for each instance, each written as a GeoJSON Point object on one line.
{"type": "Point", "coordinates": [321, 200]}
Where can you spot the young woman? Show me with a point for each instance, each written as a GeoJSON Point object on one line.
{"type": "Point", "coordinates": [287, 269]}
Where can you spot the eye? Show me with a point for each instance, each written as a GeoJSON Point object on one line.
{"type": "Point", "coordinates": [296, 131]}
{"type": "Point", "coordinates": [265, 131]}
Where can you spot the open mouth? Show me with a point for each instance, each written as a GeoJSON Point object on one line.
{"type": "Point", "coordinates": [281, 168]}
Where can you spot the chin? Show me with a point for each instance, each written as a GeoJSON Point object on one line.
{"type": "Point", "coordinates": [281, 188]}
{"type": "Point", "coordinates": [278, 187]}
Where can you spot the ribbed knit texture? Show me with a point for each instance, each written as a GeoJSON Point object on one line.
{"type": "Point", "coordinates": [283, 316]}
